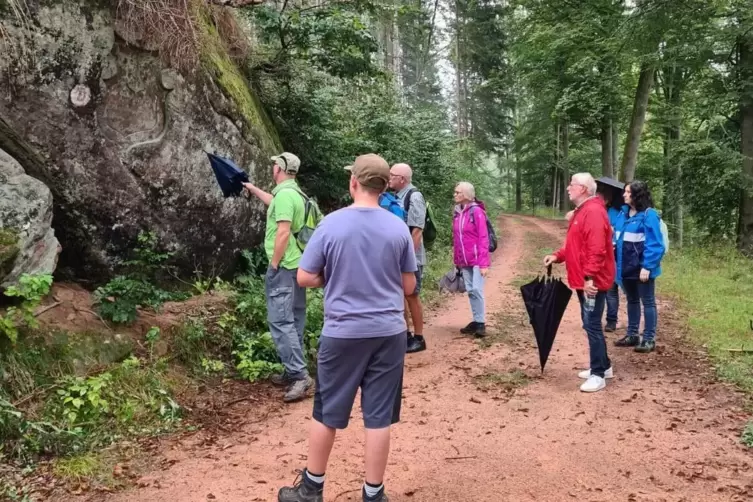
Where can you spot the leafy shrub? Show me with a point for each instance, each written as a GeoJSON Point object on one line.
{"type": "Point", "coordinates": [31, 289]}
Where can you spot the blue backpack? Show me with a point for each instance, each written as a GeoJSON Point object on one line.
{"type": "Point", "coordinates": [389, 202]}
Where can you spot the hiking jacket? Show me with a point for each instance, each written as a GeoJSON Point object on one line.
{"type": "Point", "coordinates": [640, 243]}
{"type": "Point", "coordinates": [470, 238]}
{"type": "Point", "coordinates": [588, 247]}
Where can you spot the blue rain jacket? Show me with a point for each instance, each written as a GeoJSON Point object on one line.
{"type": "Point", "coordinates": [639, 243]}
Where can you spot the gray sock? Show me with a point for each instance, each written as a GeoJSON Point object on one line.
{"type": "Point", "coordinates": [372, 491]}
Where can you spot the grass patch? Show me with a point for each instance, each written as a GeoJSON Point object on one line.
{"type": "Point", "coordinates": [76, 468]}
{"type": "Point", "coordinates": [537, 245]}
{"type": "Point", "coordinates": [507, 381]}
{"type": "Point", "coordinates": [715, 287]}
{"type": "Point", "coordinates": [504, 324]}
{"type": "Point", "coordinates": [747, 435]}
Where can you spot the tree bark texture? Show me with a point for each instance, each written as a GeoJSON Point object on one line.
{"type": "Point", "coordinates": [640, 104]}
{"type": "Point", "coordinates": [745, 222]}
{"type": "Point", "coordinates": [565, 170]}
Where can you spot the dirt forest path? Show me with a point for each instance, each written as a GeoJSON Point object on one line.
{"type": "Point", "coordinates": [480, 422]}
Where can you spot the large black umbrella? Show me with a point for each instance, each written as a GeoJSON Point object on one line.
{"type": "Point", "coordinates": [229, 176]}
{"type": "Point", "coordinates": [613, 188]}
{"type": "Point", "coordinates": [546, 299]}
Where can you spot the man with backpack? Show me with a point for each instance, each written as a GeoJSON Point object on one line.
{"type": "Point", "coordinates": [289, 225]}
{"type": "Point", "coordinates": [414, 206]}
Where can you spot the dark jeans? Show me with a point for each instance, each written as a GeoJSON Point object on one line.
{"type": "Point", "coordinates": [638, 292]}
{"type": "Point", "coordinates": [597, 345]}
{"type": "Point", "coordinates": [613, 303]}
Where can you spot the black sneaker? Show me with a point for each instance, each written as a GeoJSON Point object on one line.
{"type": "Point", "coordinates": [611, 327]}
{"type": "Point", "coordinates": [470, 328]}
{"type": "Point", "coordinates": [480, 330]}
{"type": "Point", "coordinates": [645, 346]}
{"type": "Point", "coordinates": [303, 490]}
{"type": "Point", "coordinates": [379, 497]}
{"type": "Point", "coordinates": [628, 341]}
{"type": "Point", "coordinates": [298, 389]}
{"type": "Point", "coordinates": [416, 343]}
{"type": "Point", "coordinates": [280, 379]}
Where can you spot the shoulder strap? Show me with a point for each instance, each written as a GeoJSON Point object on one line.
{"type": "Point", "coordinates": [298, 190]}
{"type": "Point", "coordinates": [406, 205]}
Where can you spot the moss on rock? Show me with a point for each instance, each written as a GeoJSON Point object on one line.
{"type": "Point", "coordinates": [8, 250]}
{"type": "Point", "coordinates": [216, 60]}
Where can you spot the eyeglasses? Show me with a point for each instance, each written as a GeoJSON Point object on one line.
{"type": "Point", "coordinates": [396, 175]}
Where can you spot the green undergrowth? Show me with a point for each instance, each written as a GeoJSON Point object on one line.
{"type": "Point", "coordinates": [714, 286]}
{"type": "Point", "coordinates": [507, 381]}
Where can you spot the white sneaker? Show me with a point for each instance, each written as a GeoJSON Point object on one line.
{"type": "Point", "coordinates": [593, 384]}
{"type": "Point", "coordinates": [587, 373]}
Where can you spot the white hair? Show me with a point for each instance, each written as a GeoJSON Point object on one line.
{"type": "Point", "coordinates": [404, 170]}
{"type": "Point", "coordinates": [587, 181]}
{"type": "Point", "coordinates": [467, 190]}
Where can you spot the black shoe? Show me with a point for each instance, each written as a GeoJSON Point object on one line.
{"type": "Point", "coordinates": [628, 341]}
{"type": "Point", "coordinates": [416, 344]}
{"type": "Point", "coordinates": [611, 327]}
{"type": "Point", "coordinates": [280, 379]}
{"type": "Point", "coordinates": [470, 328]}
{"type": "Point", "coordinates": [645, 346]}
{"type": "Point", "coordinates": [303, 490]}
{"type": "Point", "coordinates": [480, 330]}
{"type": "Point", "coordinates": [379, 497]}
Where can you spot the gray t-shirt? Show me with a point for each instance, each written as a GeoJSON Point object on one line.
{"type": "Point", "coordinates": [416, 217]}
{"type": "Point", "coordinates": [363, 253]}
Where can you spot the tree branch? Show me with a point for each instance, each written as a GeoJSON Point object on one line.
{"type": "Point", "coordinates": [236, 3]}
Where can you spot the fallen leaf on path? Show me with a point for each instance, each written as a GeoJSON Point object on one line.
{"type": "Point", "coordinates": [474, 400]}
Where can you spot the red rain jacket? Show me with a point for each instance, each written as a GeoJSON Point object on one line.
{"type": "Point", "coordinates": [588, 247]}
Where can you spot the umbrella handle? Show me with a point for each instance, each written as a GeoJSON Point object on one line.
{"type": "Point", "coordinates": [549, 270]}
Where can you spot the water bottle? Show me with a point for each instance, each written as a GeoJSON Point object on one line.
{"type": "Point", "coordinates": [590, 303]}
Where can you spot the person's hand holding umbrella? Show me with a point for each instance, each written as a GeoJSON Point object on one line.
{"type": "Point", "coordinates": [549, 259]}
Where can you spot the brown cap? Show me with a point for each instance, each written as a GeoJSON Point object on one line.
{"type": "Point", "coordinates": [371, 171]}
{"type": "Point", "coordinates": [289, 163]}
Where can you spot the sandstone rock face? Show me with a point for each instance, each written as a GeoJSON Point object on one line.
{"type": "Point", "coordinates": [120, 140]}
{"type": "Point", "coordinates": [27, 241]}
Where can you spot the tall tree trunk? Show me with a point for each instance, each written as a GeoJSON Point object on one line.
{"type": "Point", "coordinates": [615, 145]}
{"type": "Point", "coordinates": [642, 93]}
{"type": "Point", "coordinates": [518, 185]}
{"type": "Point", "coordinates": [606, 148]}
{"type": "Point", "coordinates": [459, 73]}
{"type": "Point", "coordinates": [745, 221]}
{"type": "Point", "coordinates": [673, 196]}
{"type": "Point", "coordinates": [555, 164]}
{"type": "Point", "coordinates": [565, 168]}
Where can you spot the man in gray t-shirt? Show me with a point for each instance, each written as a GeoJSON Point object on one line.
{"type": "Point", "coordinates": [413, 202]}
{"type": "Point", "coordinates": [364, 258]}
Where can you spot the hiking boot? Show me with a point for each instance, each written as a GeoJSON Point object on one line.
{"type": "Point", "coordinates": [480, 330]}
{"type": "Point", "coordinates": [408, 339]}
{"type": "Point", "coordinates": [303, 490]}
{"type": "Point", "coordinates": [379, 497]}
{"type": "Point", "coordinates": [645, 346]}
{"type": "Point", "coordinates": [593, 384]}
{"type": "Point", "coordinates": [280, 379]}
{"type": "Point", "coordinates": [297, 389]}
{"type": "Point", "coordinates": [416, 343]}
{"type": "Point", "coordinates": [586, 374]}
{"type": "Point", "coordinates": [628, 341]}
{"type": "Point", "coordinates": [611, 327]}
{"type": "Point", "coordinates": [470, 328]}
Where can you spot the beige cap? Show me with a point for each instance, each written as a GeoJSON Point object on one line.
{"type": "Point", "coordinates": [289, 163]}
{"type": "Point", "coordinates": [371, 171]}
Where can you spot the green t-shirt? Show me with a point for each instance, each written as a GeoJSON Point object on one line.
{"type": "Point", "coordinates": [287, 205]}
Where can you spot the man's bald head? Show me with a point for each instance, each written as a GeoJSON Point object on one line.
{"type": "Point", "coordinates": [400, 176]}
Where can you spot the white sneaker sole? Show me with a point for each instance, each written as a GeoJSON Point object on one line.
{"type": "Point", "coordinates": [597, 389]}
{"type": "Point", "coordinates": [587, 373]}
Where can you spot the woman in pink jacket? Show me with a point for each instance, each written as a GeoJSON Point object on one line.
{"type": "Point", "coordinates": [471, 251]}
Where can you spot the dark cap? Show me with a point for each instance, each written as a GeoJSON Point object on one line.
{"type": "Point", "coordinates": [371, 171]}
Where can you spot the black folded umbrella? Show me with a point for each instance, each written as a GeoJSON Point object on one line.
{"type": "Point", "coordinates": [229, 176]}
{"type": "Point", "coordinates": [546, 300]}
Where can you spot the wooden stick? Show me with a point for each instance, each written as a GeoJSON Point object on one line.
{"type": "Point", "coordinates": [741, 351]}
{"type": "Point", "coordinates": [459, 458]}
{"type": "Point", "coordinates": [42, 310]}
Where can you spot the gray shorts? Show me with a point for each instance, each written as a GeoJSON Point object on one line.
{"type": "Point", "coordinates": [373, 364]}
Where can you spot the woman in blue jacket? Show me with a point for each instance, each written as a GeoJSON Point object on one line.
{"type": "Point", "coordinates": [640, 249]}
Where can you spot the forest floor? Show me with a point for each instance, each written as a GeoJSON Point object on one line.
{"type": "Point", "coordinates": [480, 422]}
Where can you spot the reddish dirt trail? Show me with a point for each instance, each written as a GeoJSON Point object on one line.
{"type": "Point", "coordinates": [661, 431]}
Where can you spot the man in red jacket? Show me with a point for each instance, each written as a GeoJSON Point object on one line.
{"type": "Point", "coordinates": [589, 260]}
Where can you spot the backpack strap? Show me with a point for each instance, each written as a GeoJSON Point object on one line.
{"type": "Point", "coordinates": [406, 205]}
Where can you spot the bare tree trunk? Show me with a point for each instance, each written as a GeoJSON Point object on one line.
{"type": "Point", "coordinates": [672, 83]}
{"type": "Point", "coordinates": [459, 74]}
{"type": "Point", "coordinates": [615, 145]}
{"type": "Point", "coordinates": [606, 148]}
{"type": "Point", "coordinates": [565, 168]}
{"type": "Point", "coordinates": [555, 166]}
{"type": "Point", "coordinates": [745, 221]}
{"type": "Point", "coordinates": [642, 93]}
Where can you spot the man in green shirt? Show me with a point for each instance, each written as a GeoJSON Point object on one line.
{"type": "Point", "coordinates": [286, 300]}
